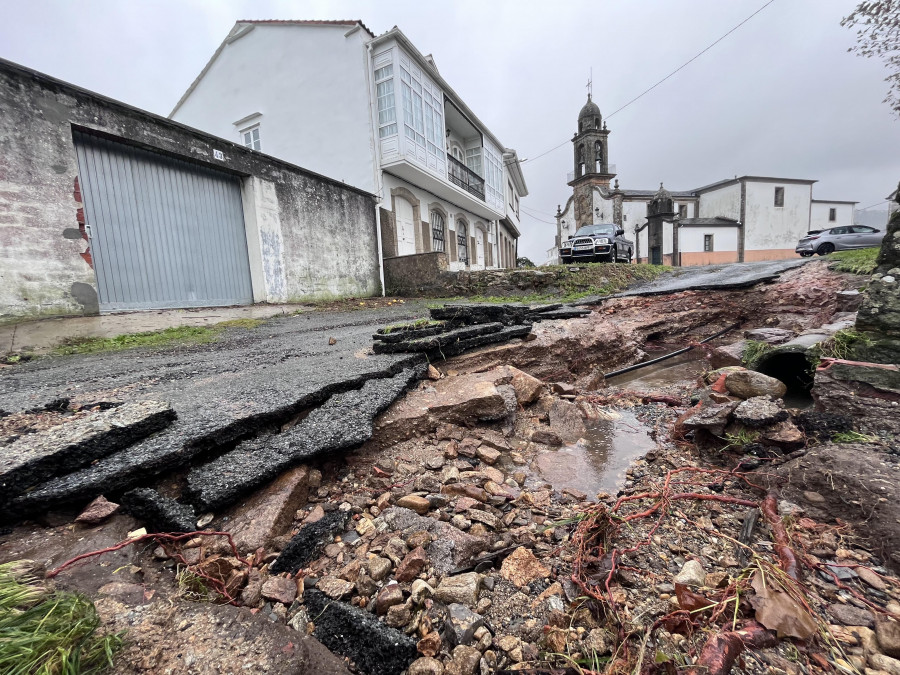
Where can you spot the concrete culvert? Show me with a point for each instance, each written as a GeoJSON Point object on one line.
{"type": "Point", "coordinates": [793, 368]}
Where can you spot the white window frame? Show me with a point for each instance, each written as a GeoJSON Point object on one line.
{"type": "Point", "coordinates": [247, 133]}
{"type": "Point", "coordinates": [386, 99]}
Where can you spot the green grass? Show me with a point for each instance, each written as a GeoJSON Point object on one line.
{"type": "Point", "coordinates": [841, 345]}
{"type": "Point", "coordinates": [857, 261]}
{"type": "Point", "coordinates": [853, 437]}
{"type": "Point", "coordinates": [187, 335]}
{"type": "Point", "coordinates": [753, 352]}
{"type": "Point", "coordinates": [45, 632]}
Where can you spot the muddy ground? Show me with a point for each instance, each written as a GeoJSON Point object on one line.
{"type": "Point", "coordinates": [517, 512]}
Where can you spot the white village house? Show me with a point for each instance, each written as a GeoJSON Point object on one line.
{"type": "Point", "coordinates": [375, 113]}
{"type": "Point", "coordinates": [740, 219]}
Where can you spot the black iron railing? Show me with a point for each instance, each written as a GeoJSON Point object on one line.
{"type": "Point", "coordinates": [464, 177]}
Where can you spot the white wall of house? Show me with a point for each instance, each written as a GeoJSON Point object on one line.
{"type": "Point", "coordinates": [820, 212]}
{"type": "Point", "coordinates": [310, 85]}
{"type": "Point", "coordinates": [691, 239]}
{"type": "Point", "coordinates": [724, 201]}
{"type": "Point", "coordinates": [775, 228]}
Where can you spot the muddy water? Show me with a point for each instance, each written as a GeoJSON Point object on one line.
{"type": "Point", "coordinates": [688, 366]}
{"type": "Point", "coordinates": [597, 462]}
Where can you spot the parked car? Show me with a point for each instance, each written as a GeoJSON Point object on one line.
{"type": "Point", "coordinates": [601, 242]}
{"type": "Point", "coordinates": [842, 238]}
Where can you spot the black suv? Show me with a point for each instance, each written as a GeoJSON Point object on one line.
{"type": "Point", "coordinates": [603, 242]}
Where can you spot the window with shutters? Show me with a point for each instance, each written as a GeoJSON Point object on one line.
{"type": "Point", "coordinates": [462, 242]}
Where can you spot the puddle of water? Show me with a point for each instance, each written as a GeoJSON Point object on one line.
{"type": "Point", "coordinates": [688, 366]}
{"type": "Point", "coordinates": [597, 462]}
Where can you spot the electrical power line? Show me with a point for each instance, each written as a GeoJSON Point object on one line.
{"type": "Point", "coordinates": [649, 89]}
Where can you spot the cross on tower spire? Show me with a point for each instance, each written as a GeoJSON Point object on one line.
{"type": "Point", "coordinates": [590, 83]}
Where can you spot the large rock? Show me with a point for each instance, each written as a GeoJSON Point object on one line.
{"type": "Point", "coordinates": [760, 411]}
{"type": "Point", "coordinates": [40, 456]}
{"type": "Point", "coordinates": [269, 512]}
{"type": "Point", "coordinates": [97, 511]}
{"type": "Point", "coordinates": [461, 624]}
{"type": "Point", "coordinates": [727, 355]}
{"type": "Point", "coordinates": [867, 392]}
{"type": "Point", "coordinates": [867, 492]}
{"type": "Point", "coordinates": [749, 383]}
{"type": "Point", "coordinates": [566, 421]}
{"type": "Point", "coordinates": [528, 388]}
{"type": "Point", "coordinates": [712, 417]}
{"type": "Point", "coordinates": [375, 648]}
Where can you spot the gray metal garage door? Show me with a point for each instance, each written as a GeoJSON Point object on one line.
{"type": "Point", "coordinates": [163, 232]}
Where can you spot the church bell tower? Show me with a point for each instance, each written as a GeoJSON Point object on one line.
{"type": "Point", "coordinates": [591, 148]}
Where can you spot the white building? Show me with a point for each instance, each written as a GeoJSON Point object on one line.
{"type": "Point", "coordinates": [745, 218]}
{"type": "Point", "coordinates": [375, 113]}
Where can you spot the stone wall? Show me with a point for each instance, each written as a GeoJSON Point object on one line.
{"type": "Point", "coordinates": [320, 238]}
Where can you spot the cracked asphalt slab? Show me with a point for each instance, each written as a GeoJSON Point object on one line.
{"type": "Point", "coordinates": [714, 277]}
{"type": "Point", "coordinates": [223, 392]}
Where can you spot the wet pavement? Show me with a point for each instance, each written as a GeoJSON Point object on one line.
{"type": "Point", "coordinates": [714, 277]}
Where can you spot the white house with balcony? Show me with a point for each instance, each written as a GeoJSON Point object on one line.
{"type": "Point", "coordinates": [375, 113]}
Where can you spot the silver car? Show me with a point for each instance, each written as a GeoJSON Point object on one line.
{"type": "Point", "coordinates": [842, 238]}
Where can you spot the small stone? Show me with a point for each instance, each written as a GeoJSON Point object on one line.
{"type": "Point", "coordinates": [691, 574]}
{"type": "Point", "coordinates": [508, 642]}
{"type": "Point", "coordinates": [420, 591]}
{"type": "Point", "coordinates": [848, 615]}
{"type": "Point", "coordinates": [389, 596]}
{"type": "Point", "coordinates": [434, 373]}
{"type": "Point", "coordinates": [461, 624]}
{"type": "Point", "coordinates": [434, 462]}
{"type": "Point", "coordinates": [715, 580]}
{"type": "Point", "coordinates": [884, 664]}
{"type": "Point", "coordinates": [315, 515]}
{"type": "Point", "coordinates": [365, 526]}
{"type": "Point", "coordinates": [521, 567]}
{"type": "Point", "coordinates": [465, 661]}
{"type": "Point", "coordinates": [430, 644]}
{"type": "Point", "coordinates": [97, 511]}
{"type": "Point", "coordinates": [335, 588]}
{"type": "Point", "coordinates": [366, 585]}
{"type": "Point", "coordinates": [450, 474]}
{"type": "Point", "coordinates": [420, 538]}
{"type": "Point", "coordinates": [413, 563]}
{"type": "Point", "coordinates": [488, 519]}
{"type": "Point", "coordinates": [465, 490]}
{"type": "Point", "coordinates": [487, 455]}
{"type": "Point", "coordinates": [545, 438]}
{"type": "Point", "coordinates": [418, 504]}
{"type": "Point", "coordinates": [760, 411]}
{"type": "Point", "coordinates": [599, 641]}
{"type": "Point", "coordinates": [887, 632]}
{"type": "Point", "coordinates": [425, 666]}
{"type": "Point", "coordinates": [871, 578]}
{"type": "Point", "coordinates": [379, 568]}
{"type": "Point", "coordinates": [459, 521]}
{"type": "Point", "coordinates": [398, 616]}
{"type": "Point", "coordinates": [462, 589]}
{"type": "Point", "coordinates": [280, 589]}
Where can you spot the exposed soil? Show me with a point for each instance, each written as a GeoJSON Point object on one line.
{"type": "Point", "coordinates": [537, 518]}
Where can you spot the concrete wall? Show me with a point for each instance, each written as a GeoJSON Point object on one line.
{"type": "Point", "coordinates": [414, 275]}
{"type": "Point", "coordinates": [772, 231]}
{"type": "Point", "coordinates": [725, 202]}
{"type": "Point", "coordinates": [725, 245]}
{"type": "Point", "coordinates": [309, 83]}
{"type": "Point", "coordinates": [308, 236]}
{"type": "Point", "coordinates": [819, 211]}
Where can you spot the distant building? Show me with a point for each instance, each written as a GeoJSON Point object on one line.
{"type": "Point", "coordinates": [375, 113]}
{"type": "Point", "coordinates": [745, 218]}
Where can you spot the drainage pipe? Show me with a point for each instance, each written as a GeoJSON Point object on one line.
{"type": "Point", "coordinates": [636, 366]}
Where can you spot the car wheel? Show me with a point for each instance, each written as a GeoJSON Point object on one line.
{"type": "Point", "coordinates": [614, 255]}
{"type": "Point", "coordinates": [629, 256]}
{"type": "Point", "coordinates": [825, 249]}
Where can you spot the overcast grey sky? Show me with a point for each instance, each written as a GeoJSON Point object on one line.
{"type": "Point", "coordinates": [779, 97]}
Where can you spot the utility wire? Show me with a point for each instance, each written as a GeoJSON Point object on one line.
{"type": "Point", "coordinates": [649, 89]}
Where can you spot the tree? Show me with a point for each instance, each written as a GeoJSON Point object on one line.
{"type": "Point", "coordinates": [877, 24]}
{"type": "Point", "coordinates": [524, 262]}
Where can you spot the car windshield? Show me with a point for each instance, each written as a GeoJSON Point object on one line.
{"type": "Point", "coordinates": [596, 231]}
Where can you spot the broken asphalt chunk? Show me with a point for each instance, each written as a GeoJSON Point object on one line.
{"type": "Point", "coordinates": [35, 458]}
{"type": "Point", "coordinates": [305, 546]}
{"type": "Point", "coordinates": [374, 647]}
{"type": "Point", "coordinates": [341, 423]}
{"type": "Point", "coordinates": [160, 514]}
